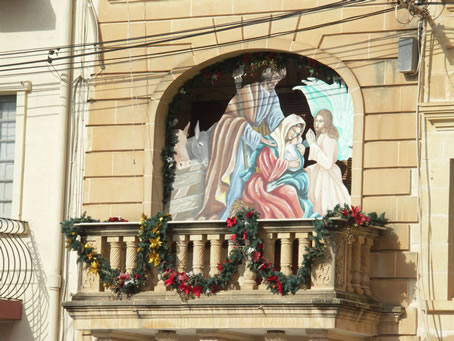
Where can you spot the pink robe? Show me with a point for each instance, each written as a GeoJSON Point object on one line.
{"type": "Point", "coordinates": [280, 203]}
{"type": "Point", "coordinates": [326, 188]}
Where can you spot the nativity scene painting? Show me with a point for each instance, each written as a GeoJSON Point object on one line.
{"type": "Point", "coordinates": [267, 131]}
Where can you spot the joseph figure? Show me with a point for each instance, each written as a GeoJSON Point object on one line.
{"type": "Point", "coordinates": [250, 115]}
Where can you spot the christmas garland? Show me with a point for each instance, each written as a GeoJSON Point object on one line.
{"type": "Point", "coordinates": [153, 252]}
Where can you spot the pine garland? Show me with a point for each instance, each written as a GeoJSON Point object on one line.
{"type": "Point", "coordinates": [153, 252]}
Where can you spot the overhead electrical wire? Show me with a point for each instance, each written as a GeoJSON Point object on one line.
{"type": "Point", "coordinates": [192, 49]}
{"type": "Point", "coordinates": [232, 25]}
{"type": "Point", "coordinates": [97, 45]}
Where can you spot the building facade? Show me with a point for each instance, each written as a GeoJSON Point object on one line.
{"type": "Point", "coordinates": [137, 63]}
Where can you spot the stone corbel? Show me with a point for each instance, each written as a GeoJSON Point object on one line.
{"type": "Point", "coordinates": [166, 335]}
{"type": "Point", "coordinates": [276, 335]}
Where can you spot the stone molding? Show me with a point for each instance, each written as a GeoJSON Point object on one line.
{"type": "Point", "coordinates": [439, 114]}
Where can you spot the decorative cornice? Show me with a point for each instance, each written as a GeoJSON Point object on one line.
{"type": "Point", "coordinates": [439, 114]}
{"type": "Point", "coordinates": [440, 307]}
{"type": "Point", "coordinates": [13, 87]}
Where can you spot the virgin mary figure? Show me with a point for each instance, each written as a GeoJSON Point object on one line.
{"type": "Point", "coordinates": [248, 118]}
{"type": "Point", "coordinates": [277, 184]}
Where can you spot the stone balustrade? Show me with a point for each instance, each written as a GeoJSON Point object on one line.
{"type": "Point", "coordinates": [200, 246]}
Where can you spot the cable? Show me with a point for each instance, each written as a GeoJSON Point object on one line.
{"type": "Point", "coordinates": [422, 291]}
{"type": "Point", "coordinates": [192, 49]}
{"type": "Point", "coordinates": [192, 35]}
{"type": "Point", "coordinates": [396, 7]}
{"type": "Point", "coordinates": [241, 23]}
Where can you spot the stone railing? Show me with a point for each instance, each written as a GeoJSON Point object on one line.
{"type": "Point", "coordinates": [200, 246]}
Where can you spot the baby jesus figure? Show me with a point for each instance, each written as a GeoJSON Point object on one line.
{"type": "Point", "coordinates": [277, 184]}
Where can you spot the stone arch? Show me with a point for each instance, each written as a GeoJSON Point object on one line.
{"type": "Point", "coordinates": [189, 67]}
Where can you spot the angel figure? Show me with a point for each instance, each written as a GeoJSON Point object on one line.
{"type": "Point", "coordinates": [333, 110]}
{"type": "Point", "coordinates": [326, 188]}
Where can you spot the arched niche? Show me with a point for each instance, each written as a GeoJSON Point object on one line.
{"type": "Point", "coordinates": [176, 80]}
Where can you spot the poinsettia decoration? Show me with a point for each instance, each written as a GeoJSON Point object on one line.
{"type": "Point", "coordinates": [153, 252]}
{"type": "Point", "coordinates": [116, 220]}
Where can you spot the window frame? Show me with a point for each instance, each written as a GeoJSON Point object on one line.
{"type": "Point", "coordinates": [20, 90]}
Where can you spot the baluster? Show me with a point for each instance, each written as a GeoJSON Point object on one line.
{"type": "Point", "coordinates": [269, 241]}
{"type": "Point", "coordinates": [90, 282]}
{"type": "Point", "coordinates": [303, 242]}
{"type": "Point", "coordinates": [160, 285]}
{"type": "Point", "coordinates": [234, 282]}
{"type": "Point", "coordinates": [356, 264]}
{"type": "Point", "coordinates": [249, 277]}
{"type": "Point", "coordinates": [198, 251]}
{"type": "Point", "coordinates": [181, 252]}
{"type": "Point", "coordinates": [131, 252]}
{"type": "Point", "coordinates": [365, 265]}
{"type": "Point", "coordinates": [215, 252]}
{"type": "Point", "coordinates": [115, 252]}
{"type": "Point", "coordinates": [349, 266]}
{"type": "Point", "coordinates": [286, 252]}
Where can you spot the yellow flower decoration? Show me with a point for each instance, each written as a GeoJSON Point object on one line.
{"type": "Point", "coordinates": [94, 267]}
{"type": "Point", "coordinates": [68, 242]}
{"type": "Point", "coordinates": [154, 258]}
{"type": "Point", "coordinates": [142, 219]}
{"type": "Point", "coordinates": [156, 228]}
{"type": "Point", "coordinates": [155, 243]}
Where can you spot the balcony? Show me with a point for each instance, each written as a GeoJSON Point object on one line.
{"type": "Point", "coordinates": [337, 304]}
{"type": "Point", "coordinates": [15, 268]}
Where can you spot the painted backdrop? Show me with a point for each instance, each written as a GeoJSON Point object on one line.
{"type": "Point", "coordinates": [267, 132]}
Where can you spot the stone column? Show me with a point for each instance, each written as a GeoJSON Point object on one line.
{"type": "Point", "coordinates": [269, 241]}
{"type": "Point", "coordinates": [303, 243]}
{"type": "Point", "coordinates": [90, 282]}
{"type": "Point", "coordinates": [115, 252]}
{"type": "Point", "coordinates": [234, 283]}
{"type": "Point", "coordinates": [181, 252]}
{"type": "Point", "coordinates": [215, 252]}
{"type": "Point", "coordinates": [131, 252]}
{"type": "Point", "coordinates": [198, 251]}
{"type": "Point", "coordinates": [349, 266]}
{"type": "Point", "coordinates": [249, 277]}
{"type": "Point", "coordinates": [356, 265]}
{"type": "Point", "coordinates": [160, 285]}
{"type": "Point", "coordinates": [286, 252]}
{"type": "Point", "coordinates": [365, 265]}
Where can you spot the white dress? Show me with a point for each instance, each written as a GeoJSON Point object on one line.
{"type": "Point", "coordinates": [326, 188]}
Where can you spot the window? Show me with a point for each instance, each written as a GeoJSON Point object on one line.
{"type": "Point", "coordinates": [7, 150]}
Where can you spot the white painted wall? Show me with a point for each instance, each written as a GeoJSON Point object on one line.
{"type": "Point", "coordinates": [39, 197]}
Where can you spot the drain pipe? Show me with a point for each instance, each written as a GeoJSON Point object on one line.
{"type": "Point", "coordinates": [55, 273]}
